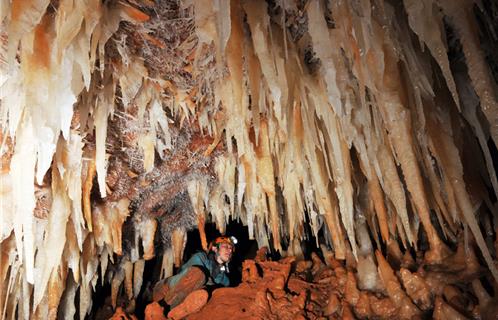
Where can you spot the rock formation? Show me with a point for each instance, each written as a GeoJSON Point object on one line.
{"type": "Point", "coordinates": [372, 123]}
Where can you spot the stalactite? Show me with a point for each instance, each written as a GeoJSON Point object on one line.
{"type": "Point", "coordinates": [167, 264]}
{"type": "Point", "coordinates": [459, 13]}
{"type": "Point", "coordinates": [148, 230]}
{"type": "Point", "coordinates": [179, 238]}
{"type": "Point", "coordinates": [87, 187]}
{"type": "Point", "coordinates": [265, 174]}
{"type": "Point", "coordinates": [22, 167]}
{"type": "Point", "coordinates": [424, 20]}
{"type": "Point", "coordinates": [49, 255]}
{"type": "Point", "coordinates": [138, 273]}
{"type": "Point", "coordinates": [128, 280]}
{"type": "Point", "coordinates": [126, 124]}
{"type": "Point", "coordinates": [117, 280]}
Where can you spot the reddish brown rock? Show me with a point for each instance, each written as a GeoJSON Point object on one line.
{"type": "Point", "coordinates": [192, 303]}
{"type": "Point", "coordinates": [120, 314]}
{"type": "Point", "coordinates": [442, 310]}
{"type": "Point", "coordinates": [362, 307]}
{"type": "Point", "coordinates": [417, 289]}
{"type": "Point", "coordinates": [352, 294]}
{"type": "Point", "coordinates": [383, 307]}
{"type": "Point", "coordinates": [287, 289]}
{"type": "Point", "coordinates": [333, 305]}
{"type": "Point", "coordinates": [249, 271]}
{"type": "Point", "coordinates": [347, 314]}
{"type": "Point", "coordinates": [242, 302]}
{"type": "Point", "coordinates": [154, 311]}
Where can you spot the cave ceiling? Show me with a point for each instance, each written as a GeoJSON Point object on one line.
{"type": "Point", "coordinates": [126, 124]}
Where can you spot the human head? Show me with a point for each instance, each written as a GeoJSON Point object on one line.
{"type": "Point", "coordinates": [223, 247]}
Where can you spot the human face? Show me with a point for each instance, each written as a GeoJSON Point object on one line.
{"type": "Point", "coordinates": [223, 253]}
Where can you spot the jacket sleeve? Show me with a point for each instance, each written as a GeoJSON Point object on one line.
{"type": "Point", "coordinates": [199, 259]}
{"type": "Point", "coordinates": [202, 260]}
{"type": "Point", "coordinates": [222, 279]}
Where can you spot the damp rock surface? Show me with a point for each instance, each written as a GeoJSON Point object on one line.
{"type": "Point", "coordinates": [328, 289]}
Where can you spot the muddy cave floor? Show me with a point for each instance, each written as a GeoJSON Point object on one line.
{"type": "Point", "coordinates": [397, 286]}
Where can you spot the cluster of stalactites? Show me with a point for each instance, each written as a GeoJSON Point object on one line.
{"type": "Point", "coordinates": [358, 135]}
{"type": "Point", "coordinates": [368, 133]}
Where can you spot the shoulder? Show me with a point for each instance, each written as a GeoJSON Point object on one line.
{"type": "Point", "coordinates": [199, 256]}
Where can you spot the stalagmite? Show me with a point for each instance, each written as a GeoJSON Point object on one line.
{"type": "Point", "coordinates": [406, 308]}
{"type": "Point", "coordinates": [444, 311]}
{"type": "Point", "coordinates": [368, 277]}
{"type": "Point", "coordinates": [85, 300]}
{"type": "Point", "coordinates": [351, 293]}
{"type": "Point", "coordinates": [480, 292]}
{"type": "Point", "coordinates": [417, 289]}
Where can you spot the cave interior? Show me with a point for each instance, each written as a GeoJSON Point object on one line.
{"type": "Point", "coordinates": [350, 146]}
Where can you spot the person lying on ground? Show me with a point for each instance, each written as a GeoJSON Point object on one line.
{"type": "Point", "coordinates": [187, 291]}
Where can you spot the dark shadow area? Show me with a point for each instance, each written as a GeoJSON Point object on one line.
{"type": "Point", "coordinates": [494, 156]}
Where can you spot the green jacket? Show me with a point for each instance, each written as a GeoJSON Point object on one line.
{"type": "Point", "coordinates": [214, 271]}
